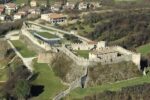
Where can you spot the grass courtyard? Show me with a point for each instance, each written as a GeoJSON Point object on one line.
{"type": "Point", "coordinates": [22, 48]}
{"type": "Point", "coordinates": [3, 74]}
{"type": "Point", "coordinates": [80, 93]}
{"type": "Point", "coordinates": [52, 84]}
{"type": "Point", "coordinates": [82, 53]}
{"type": "Point", "coordinates": [47, 35]}
{"type": "Point", "coordinates": [144, 49]}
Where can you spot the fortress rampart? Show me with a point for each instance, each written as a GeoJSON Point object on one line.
{"type": "Point", "coordinates": [126, 54]}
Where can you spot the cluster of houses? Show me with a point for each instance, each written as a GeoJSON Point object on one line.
{"type": "Point", "coordinates": [11, 11]}
{"type": "Point", "coordinates": [7, 9]}
{"type": "Point", "coordinates": [54, 17]}
{"type": "Point", "coordinates": [14, 12]}
{"type": "Point", "coordinates": [75, 5]}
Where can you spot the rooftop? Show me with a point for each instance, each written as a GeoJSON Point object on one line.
{"type": "Point", "coordinates": [11, 5]}
{"type": "Point", "coordinates": [56, 15]}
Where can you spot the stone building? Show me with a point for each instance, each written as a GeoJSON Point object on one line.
{"type": "Point", "coordinates": [10, 8]}
{"type": "Point", "coordinates": [33, 3]}
{"type": "Point", "coordinates": [104, 54]}
{"type": "Point", "coordinates": [54, 18]}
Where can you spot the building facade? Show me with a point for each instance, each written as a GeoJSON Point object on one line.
{"type": "Point", "coordinates": [54, 18]}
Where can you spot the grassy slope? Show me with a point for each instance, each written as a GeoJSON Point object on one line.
{"type": "Point", "coordinates": [83, 53]}
{"type": "Point", "coordinates": [22, 48]}
{"type": "Point", "coordinates": [80, 93]}
{"type": "Point", "coordinates": [3, 74]}
{"type": "Point", "coordinates": [144, 49]}
{"type": "Point", "coordinates": [52, 84]}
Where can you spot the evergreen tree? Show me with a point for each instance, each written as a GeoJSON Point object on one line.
{"type": "Point", "coordinates": [48, 3]}
{"type": "Point", "coordinates": [28, 2]}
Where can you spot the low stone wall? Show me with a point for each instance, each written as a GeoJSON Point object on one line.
{"type": "Point", "coordinates": [129, 56]}
{"type": "Point", "coordinates": [14, 37]}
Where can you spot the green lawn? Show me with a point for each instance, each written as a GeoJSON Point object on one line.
{"type": "Point", "coordinates": [46, 77]}
{"type": "Point", "coordinates": [80, 93]}
{"type": "Point", "coordinates": [47, 35]}
{"type": "Point", "coordinates": [22, 48]}
{"type": "Point", "coordinates": [3, 74]}
{"type": "Point", "coordinates": [144, 49]}
{"type": "Point", "coordinates": [83, 53]}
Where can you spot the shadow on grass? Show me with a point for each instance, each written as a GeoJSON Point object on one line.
{"type": "Point", "coordinates": [36, 90]}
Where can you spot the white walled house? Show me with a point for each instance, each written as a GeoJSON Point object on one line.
{"type": "Point", "coordinates": [33, 3]}
{"type": "Point", "coordinates": [17, 16]}
{"type": "Point", "coordinates": [54, 18]}
{"type": "Point", "coordinates": [10, 8]}
{"type": "Point", "coordinates": [36, 11]}
{"type": "Point", "coordinates": [69, 5]}
{"type": "Point", "coordinates": [2, 17]}
{"type": "Point", "coordinates": [56, 7]}
{"type": "Point", "coordinates": [82, 6]}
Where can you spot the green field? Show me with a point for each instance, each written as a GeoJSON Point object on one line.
{"type": "Point", "coordinates": [144, 49]}
{"type": "Point", "coordinates": [52, 84]}
{"type": "Point", "coordinates": [47, 35]}
{"type": "Point", "coordinates": [3, 74]}
{"type": "Point", "coordinates": [22, 48]}
{"type": "Point", "coordinates": [83, 53]}
{"type": "Point", "coordinates": [80, 93]}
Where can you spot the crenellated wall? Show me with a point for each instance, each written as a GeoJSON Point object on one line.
{"type": "Point", "coordinates": [126, 55]}
{"type": "Point", "coordinates": [88, 46]}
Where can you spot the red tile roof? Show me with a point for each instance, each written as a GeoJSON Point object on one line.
{"type": "Point", "coordinates": [55, 15]}
{"type": "Point", "coordinates": [11, 5]}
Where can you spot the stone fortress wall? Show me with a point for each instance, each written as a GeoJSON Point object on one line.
{"type": "Point", "coordinates": [127, 55]}
{"type": "Point", "coordinates": [25, 32]}
{"type": "Point", "coordinates": [85, 62]}
{"type": "Point", "coordinates": [87, 46]}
